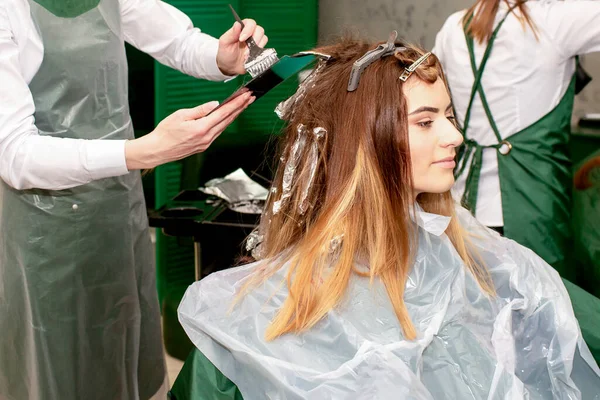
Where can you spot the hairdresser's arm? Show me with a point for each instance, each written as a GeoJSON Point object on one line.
{"type": "Point", "coordinates": [30, 160]}
{"type": "Point", "coordinates": [168, 35]}
{"type": "Point", "coordinates": [574, 26]}
{"type": "Point", "coordinates": [183, 133]}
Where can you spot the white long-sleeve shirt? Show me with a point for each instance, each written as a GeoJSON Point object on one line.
{"type": "Point", "coordinates": [29, 160]}
{"type": "Point", "coordinates": [524, 78]}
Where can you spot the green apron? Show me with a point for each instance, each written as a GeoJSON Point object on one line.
{"type": "Point", "coordinates": [199, 379]}
{"type": "Point", "coordinates": [78, 302]}
{"type": "Point", "coordinates": [586, 227]}
{"type": "Point", "coordinates": [534, 169]}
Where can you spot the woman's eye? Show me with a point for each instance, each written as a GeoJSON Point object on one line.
{"type": "Point", "coordinates": [425, 124]}
{"type": "Point", "coordinates": [451, 118]}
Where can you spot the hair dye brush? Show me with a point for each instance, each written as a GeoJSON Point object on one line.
{"type": "Point", "coordinates": [259, 59]}
{"type": "Point", "coordinates": [283, 69]}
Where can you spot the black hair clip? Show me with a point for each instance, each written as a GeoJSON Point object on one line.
{"type": "Point", "coordinates": [383, 50]}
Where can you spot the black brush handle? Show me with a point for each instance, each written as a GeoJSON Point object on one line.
{"type": "Point", "coordinates": [255, 50]}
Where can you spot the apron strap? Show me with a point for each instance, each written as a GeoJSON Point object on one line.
{"type": "Point", "coordinates": [471, 150]}
{"type": "Point", "coordinates": [478, 73]}
{"type": "Point", "coordinates": [480, 91]}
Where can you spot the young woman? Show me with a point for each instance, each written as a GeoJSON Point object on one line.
{"type": "Point", "coordinates": [371, 283]}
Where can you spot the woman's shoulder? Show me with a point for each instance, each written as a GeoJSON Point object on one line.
{"type": "Point", "coordinates": [229, 280]}
{"type": "Point", "coordinates": [511, 264]}
{"type": "Point", "coordinates": [484, 238]}
{"type": "Point", "coordinates": [6, 11]}
{"type": "Point", "coordinates": [454, 21]}
{"type": "Point", "coordinates": [220, 291]}
{"type": "Point", "coordinates": [15, 17]}
{"type": "Point", "coordinates": [14, 8]}
{"type": "Point", "coordinates": [447, 34]}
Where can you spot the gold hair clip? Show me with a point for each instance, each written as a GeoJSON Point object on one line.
{"type": "Point", "coordinates": [408, 71]}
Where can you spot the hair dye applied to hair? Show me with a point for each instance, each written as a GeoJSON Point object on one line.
{"type": "Point", "coordinates": [346, 195]}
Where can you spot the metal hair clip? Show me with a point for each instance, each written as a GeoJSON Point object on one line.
{"type": "Point", "coordinates": [383, 50]}
{"type": "Point", "coordinates": [322, 56]}
{"type": "Point", "coordinates": [408, 71]}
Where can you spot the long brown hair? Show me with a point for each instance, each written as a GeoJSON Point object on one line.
{"type": "Point", "coordinates": [361, 194]}
{"type": "Point", "coordinates": [479, 18]}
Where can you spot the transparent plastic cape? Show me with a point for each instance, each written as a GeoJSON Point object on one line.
{"type": "Point", "coordinates": [523, 343]}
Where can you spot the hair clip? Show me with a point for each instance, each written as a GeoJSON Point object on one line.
{"type": "Point", "coordinates": [408, 71]}
{"type": "Point", "coordinates": [322, 56]}
{"type": "Point", "coordinates": [383, 50]}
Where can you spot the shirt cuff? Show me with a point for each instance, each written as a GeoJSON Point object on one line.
{"type": "Point", "coordinates": [210, 57]}
{"type": "Point", "coordinates": [105, 158]}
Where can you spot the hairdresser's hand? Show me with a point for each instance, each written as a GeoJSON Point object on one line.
{"type": "Point", "coordinates": [183, 133]}
{"type": "Point", "coordinates": [233, 51]}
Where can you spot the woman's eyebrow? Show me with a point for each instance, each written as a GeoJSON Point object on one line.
{"type": "Point", "coordinates": [425, 109]}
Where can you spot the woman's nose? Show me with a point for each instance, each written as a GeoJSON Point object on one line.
{"type": "Point", "coordinates": [451, 137]}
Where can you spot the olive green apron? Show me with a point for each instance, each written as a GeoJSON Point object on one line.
{"type": "Point", "coordinates": [78, 302]}
{"type": "Point", "coordinates": [534, 169]}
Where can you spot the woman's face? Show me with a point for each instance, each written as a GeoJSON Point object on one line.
{"type": "Point", "coordinates": [432, 136]}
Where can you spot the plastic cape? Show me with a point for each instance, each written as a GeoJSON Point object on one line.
{"type": "Point", "coordinates": [523, 343]}
{"type": "Point", "coordinates": [199, 379]}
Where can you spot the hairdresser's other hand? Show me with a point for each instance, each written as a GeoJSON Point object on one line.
{"type": "Point", "coordinates": [183, 133]}
{"type": "Point", "coordinates": [233, 51]}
